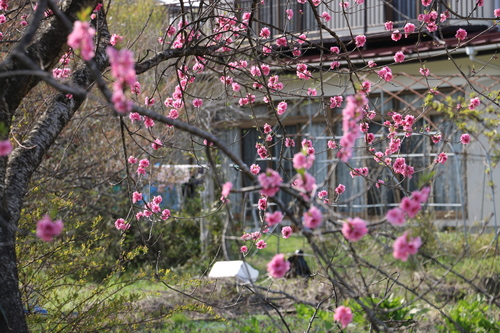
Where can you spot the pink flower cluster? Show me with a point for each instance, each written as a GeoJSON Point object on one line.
{"type": "Point", "coordinates": [278, 266]}
{"type": "Point", "coordinates": [400, 166]}
{"type": "Point", "coordinates": [301, 161]}
{"type": "Point", "coordinates": [286, 232]}
{"type": "Point", "coordinates": [351, 115]}
{"type": "Point", "coordinates": [302, 72]}
{"type": "Point", "coordinates": [270, 182]}
{"type": "Point", "coordinates": [465, 139]}
{"type": "Point", "coordinates": [305, 184]}
{"type": "Point", "coordinates": [312, 218]}
{"type": "Point", "coordinates": [354, 229]}
{"type": "Point", "coordinates": [343, 315]}
{"type": "Point", "coordinates": [46, 229]}
{"type": "Point", "coordinates": [226, 189]}
{"type": "Point", "coordinates": [357, 172]}
{"type": "Point", "coordinates": [404, 246]}
{"type": "Point", "coordinates": [273, 218]}
{"type": "Point", "coordinates": [122, 69]}
{"type": "Point", "coordinates": [385, 73]}
{"type": "Point", "coordinates": [82, 38]}
{"type": "Point", "coordinates": [121, 225]}
{"type": "Point", "coordinates": [409, 206]}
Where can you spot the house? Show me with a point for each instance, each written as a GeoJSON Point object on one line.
{"type": "Point", "coordinates": [463, 191]}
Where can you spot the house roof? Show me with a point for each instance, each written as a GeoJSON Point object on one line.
{"type": "Point", "coordinates": [378, 46]}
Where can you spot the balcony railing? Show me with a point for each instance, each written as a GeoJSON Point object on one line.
{"type": "Point", "coordinates": [366, 18]}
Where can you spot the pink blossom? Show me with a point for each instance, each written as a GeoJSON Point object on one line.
{"type": "Point", "coordinates": [157, 199]}
{"type": "Point", "coordinates": [120, 102]}
{"type": "Point", "coordinates": [474, 103]}
{"type": "Point", "coordinates": [289, 142]}
{"type": "Point", "coordinates": [343, 314]}
{"type": "Point", "coordinates": [340, 189]}
{"type": "Point", "coordinates": [396, 216]}
{"type": "Point", "coordinates": [334, 64]}
{"type": "Point", "coordinates": [197, 102]}
{"type": "Point", "coordinates": [173, 113]}
{"type": "Point", "coordinates": [270, 182]}
{"type": "Point", "coordinates": [267, 128]}
{"type": "Point", "coordinates": [372, 63]}
{"type": "Point", "coordinates": [134, 116]}
{"type": "Point", "coordinates": [261, 244]}
{"type": "Point", "coordinates": [3, 19]}
{"type": "Point", "coordinates": [262, 204]}
{"type": "Point", "coordinates": [157, 144]}
{"type": "Point", "coordinates": [122, 68]}
{"type": "Point", "coordinates": [46, 229]}
{"type": "Point", "coordinates": [312, 218]}
{"type": "Point", "coordinates": [385, 73]}
{"type": "Point", "coordinates": [442, 158]}
{"type": "Point", "coordinates": [281, 41]}
{"type": "Point", "coordinates": [305, 184]}
{"type": "Point", "coordinates": [289, 14]}
{"type": "Point", "coordinates": [404, 246]}
{"type": "Point", "coordinates": [286, 232]}
{"type": "Point", "coordinates": [480, 3]}
{"type": "Point", "coordinates": [301, 161]}
{"type": "Point", "coordinates": [360, 40]}
{"type": "Point", "coordinates": [311, 92]}
{"type": "Point", "coordinates": [431, 27]}
{"type": "Point", "coordinates": [136, 196]}
{"type": "Point", "coordinates": [354, 229]}
{"type": "Point", "coordinates": [273, 218]}
{"type": "Point", "coordinates": [399, 57]}
{"type": "Point", "coordinates": [282, 107]}
{"type": "Point", "coordinates": [255, 169]}
{"type": "Point", "coordinates": [278, 266]}
{"type": "Point", "coordinates": [424, 71]}
{"type": "Point", "coordinates": [132, 160]}
{"type": "Point", "coordinates": [115, 39]}
{"type": "Point", "coordinates": [332, 144]}
{"type": "Point", "coordinates": [265, 33]}
{"type": "Point", "coordinates": [436, 138]}
{"type": "Point", "coordinates": [409, 28]}
{"type": "Point", "coordinates": [244, 249]}
{"type": "Point", "coordinates": [165, 214]}
{"type": "Point", "coordinates": [336, 101]}
{"type": "Point", "coordinates": [226, 189]}
{"type": "Point", "coordinates": [121, 225]}
{"type": "Point", "coordinates": [410, 206]}
{"type": "Point", "coordinates": [335, 49]}
{"type": "Point", "coordinates": [461, 34]}
{"type": "Point", "coordinates": [302, 39]}
{"type": "Point", "coordinates": [327, 17]}
{"type": "Point", "coordinates": [496, 12]}
{"type": "Point", "coordinates": [396, 35]}
{"type": "Point", "coordinates": [236, 86]}
{"type": "Point", "coordinates": [5, 147]}
{"type": "Point", "coordinates": [82, 38]}
{"type": "Point", "coordinates": [465, 139]}
{"type": "Point", "coordinates": [322, 194]}
{"type": "Point", "coordinates": [144, 163]}
{"type": "Point", "coordinates": [389, 25]}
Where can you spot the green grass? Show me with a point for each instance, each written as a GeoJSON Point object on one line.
{"type": "Point", "coordinates": [259, 258]}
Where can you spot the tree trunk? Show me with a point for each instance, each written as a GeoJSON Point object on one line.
{"type": "Point", "coordinates": [12, 316]}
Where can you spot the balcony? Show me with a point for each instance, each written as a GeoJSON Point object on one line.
{"type": "Point", "coordinates": [367, 18]}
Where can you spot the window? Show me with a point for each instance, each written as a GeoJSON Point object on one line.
{"type": "Point", "coordinates": [273, 13]}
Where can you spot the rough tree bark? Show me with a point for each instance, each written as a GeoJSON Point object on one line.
{"type": "Point", "coordinates": [41, 49]}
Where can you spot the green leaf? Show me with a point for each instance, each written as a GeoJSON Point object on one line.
{"type": "Point", "coordinates": [84, 14]}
